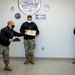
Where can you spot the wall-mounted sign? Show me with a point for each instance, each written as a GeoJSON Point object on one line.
{"type": "Point", "coordinates": [12, 7]}
{"type": "Point", "coordinates": [17, 16]}
{"type": "Point", "coordinates": [46, 7]}
{"type": "Point", "coordinates": [29, 7]}
{"type": "Point", "coordinates": [41, 16]}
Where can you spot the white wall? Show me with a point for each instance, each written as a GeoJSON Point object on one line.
{"type": "Point", "coordinates": [56, 32]}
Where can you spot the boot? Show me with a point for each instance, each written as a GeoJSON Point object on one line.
{"type": "Point", "coordinates": [27, 61]}
{"type": "Point", "coordinates": [7, 68]}
{"type": "Point", "coordinates": [32, 61]}
{"type": "Point", "coordinates": [73, 62]}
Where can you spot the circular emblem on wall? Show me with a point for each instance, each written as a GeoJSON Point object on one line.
{"type": "Point", "coordinates": [29, 7]}
{"type": "Point", "coordinates": [17, 16]}
{"type": "Point", "coordinates": [46, 7]}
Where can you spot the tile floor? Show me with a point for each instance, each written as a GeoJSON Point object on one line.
{"type": "Point", "coordinates": [41, 67]}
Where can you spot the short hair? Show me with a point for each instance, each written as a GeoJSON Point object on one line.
{"type": "Point", "coordinates": [29, 16]}
{"type": "Point", "coordinates": [10, 21]}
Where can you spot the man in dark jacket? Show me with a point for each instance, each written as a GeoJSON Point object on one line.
{"type": "Point", "coordinates": [6, 37]}
{"type": "Point", "coordinates": [29, 39]}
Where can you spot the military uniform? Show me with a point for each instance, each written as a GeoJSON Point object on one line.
{"type": "Point", "coordinates": [29, 41]}
{"type": "Point", "coordinates": [5, 34]}
{"type": "Point", "coordinates": [4, 50]}
{"type": "Point", "coordinates": [29, 48]}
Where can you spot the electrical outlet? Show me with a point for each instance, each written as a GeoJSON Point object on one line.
{"type": "Point", "coordinates": [42, 48]}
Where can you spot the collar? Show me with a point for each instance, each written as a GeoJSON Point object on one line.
{"type": "Point", "coordinates": [9, 28]}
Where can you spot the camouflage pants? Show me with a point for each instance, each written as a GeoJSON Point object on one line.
{"type": "Point", "coordinates": [4, 50]}
{"type": "Point", "coordinates": [29, 48]}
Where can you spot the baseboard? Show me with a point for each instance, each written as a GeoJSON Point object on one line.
{"type": "Point", "coordinates": [48, 58]}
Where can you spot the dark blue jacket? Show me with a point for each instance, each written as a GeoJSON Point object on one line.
{"type": "Point", "coordinates": [29, 26]}
{"type": "Point", "coordinates": [5, 34]}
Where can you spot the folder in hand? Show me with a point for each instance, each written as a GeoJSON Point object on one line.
{"type": "Point", "coordinates": [16, 40]}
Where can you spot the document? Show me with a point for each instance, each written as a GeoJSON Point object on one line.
{"type": "Point", "coordinates": [31, 32]}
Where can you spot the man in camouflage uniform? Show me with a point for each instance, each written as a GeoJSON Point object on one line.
{"type": "Point", "coordinates": [29, 40]}
{"type": "Point", "coordinates": [6, 37]}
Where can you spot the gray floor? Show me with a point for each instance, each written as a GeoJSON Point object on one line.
{"type": "Point", "coordinates": [41, 67]}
